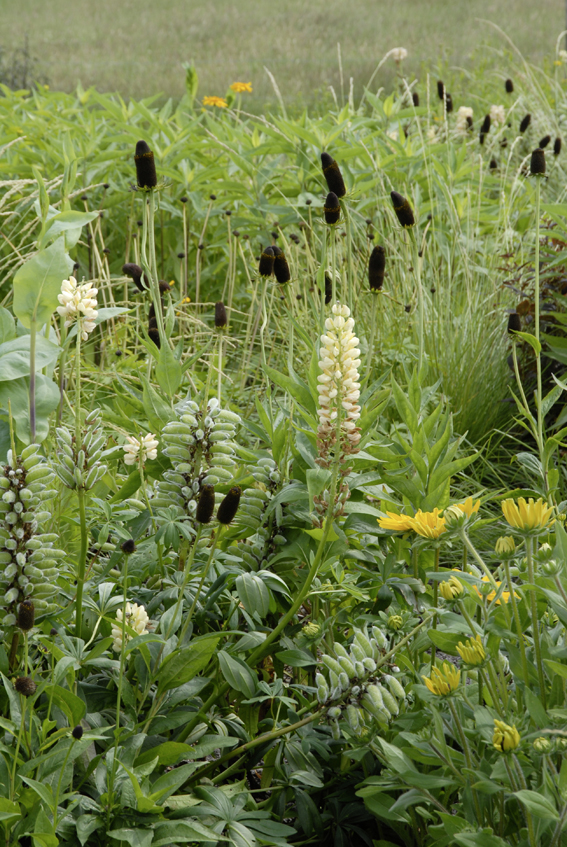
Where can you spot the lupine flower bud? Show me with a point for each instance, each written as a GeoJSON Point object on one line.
{"type": "Point", "coordinates": [333, 175]}
{"type": "Point", "coordinates": [415, 98]}
{"type": "Point", "coordinates": [135, 272]}
{"type": "Point", "coordinates": [525, 122]}
{"type": "Point", "coordinates": [544, 141]}
{"type": "Point", "coordinates": [220, 315]}
{"type": "Point", "coordinates": [376, 266]}
{"type": "Point", "coordinates": [514, 323]}
{"type": "Point", "coordinates": [25, 686]}
{"type": "Point", "coordinates": [281, 267]}
{"type": "Point", "coordinates": [509, 86]}
{"type": "Point", "coordinates": [537, 163]}
{"type": "Point", "coordinates": [506, 738]}
{"type": "Point", "coordinates": [403, 210]}
{"type": "Point", "coordinates": [205, 504]}
{"type": "Point", "coordinates": [440, 89]}
{"type": "Point", "coordinates": [145, 166]}
{"type": "Point", "coordinates": [266, 266]}
{"type": "Point", "coordinates": [128, 547]}
{"type": "Point", "coordinates": [557, 146]}
{"type": "Point", "coordinates": [26, 616]}
{"type": "Point", "coordinates": [229, 505]}
{"type": "Point", "coordinates": [332, 209]}
{"type": "Point", "coordinates": [77, 732]}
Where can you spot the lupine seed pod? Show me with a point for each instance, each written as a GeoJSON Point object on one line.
{"type": "Point", "coordinates": [25, 686]}
{"type": "Point", "coordinates": [415, 98]}
{"type": "Point", "coordinates": [376, 267]}
{"type": "Point", "coordinates": [390, 702]}
{"type": "Point", "coordinates": [348, 666]}
{"type": "Point", "coordinates": [557, 146]}
{"type": "Point", "coordinates": [220, 315]}
{"type": "Point", "coordinates": [544, 141]}
{"type": "Point", "coordinates": [266, 266]}
{"type": "Point", "coordinates": [537, 162]}
{"type": "Point", "coordinates": [135, 272]}
{"type": "Point", "coordinates": [395, 688]}
{"type": "Point", "coordinates": [509, 86]}
{"type": "Point", "coordinates": [440, 89]}
{"type": "Point", "coordinates": [229, 506]}
{"type": "Point", "coordinates": [26, 616]}
{"type": "Point", "coordinates": [514, 323]}
{"type": "Point", "coordinates": [145, 166]}
{"type": "Point", "coordinates": [353, 717]}
{"type": "Point", "coordinates": [339, 650]}
{"type": "Point", "coordinates": [525, 122]}
{"type": "Point", "coordinates": [333, 175]}
{"type": "Point", "coordinates": [281, 267]}
{"type": "Point", "coordinates": [403, 210]}
{"type": "Point", "coordinates": [363, 641]}
{"type": "Point", "coordinates": [77, 732]}
{"type": "Point", "coordinates": [205, 504]}
{"type": "Point", "coordinates": [369, 664]}
{"type": "Point", "coordinates": [332, 209]}
{"type": "Point", "coordinates": [331, 663]}
{"type": "Point", "coordinates": [357, 653]}
{"type": "Point", "coordinates": [379, 637]}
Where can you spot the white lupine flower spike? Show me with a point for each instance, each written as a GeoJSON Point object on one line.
{"type": "Point", "coordinates": [78, 303]}
{"type": "Point", "coordinates": [136, 618]}
{"type": "Point", "coordinates": [498, 115]}
{"type": "Point", "coordinates": [147, 445]}
{"type": "Point", "coordinates": [339, 380]}
{"type": "Point", "coordinates": [464, 120]}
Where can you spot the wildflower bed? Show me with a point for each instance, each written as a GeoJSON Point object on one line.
{"type": "Point", "coordinates": [283, 493]}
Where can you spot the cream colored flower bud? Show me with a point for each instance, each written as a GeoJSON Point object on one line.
{"type": "Point", "coordinates": [505, 546]}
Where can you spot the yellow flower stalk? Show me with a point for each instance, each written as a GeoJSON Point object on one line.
{"type": "Point", "coordinates": [220, 102]}
{"type": "Point", "coordinates": [239, 87]}
{"type": "Point", "coordinates": [506, 738]}
{"type": "Point", "coordinates": [530, 516]}
{"type": "Point", "coordinates": [472, 652]}
{"type": "Point", "coordinates": [451, 589]}
{"type": "Point", "coordinates": [443, 682]}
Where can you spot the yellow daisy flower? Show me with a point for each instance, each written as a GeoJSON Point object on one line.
{"type": "Point", "coordinates": [215, 101]}
{"type": "Point", "coordinates": [528, 516]}
{"type": "Point", "coordinates": [428, 524]}
{"type": "Point", "coordinates": [397, 523]}
{"type": "Point", "coordinates": [239, 87]}
{"type": "Point", "coordinates": [443, 682]}
{"type": "Point", "coordinates": [472, 652]}
{"type": "Point", "coordinates": [504, 596]}
{"type": "Point", "coordinates": [506, 738]}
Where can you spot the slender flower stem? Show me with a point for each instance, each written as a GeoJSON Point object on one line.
{"type": "Point", "coordinates": [350, 273]}
{"type": "Point", "coordinates": [332, 236]}
{"type": "Point", "coordinates": [536, 328]}
{"type": "Point", "coordinates": [420, 300]}
{"type": "Point", "coordinates": [18, 745]}
{"type": "Point", "coordinates": [188, 567]}
{"type": "Point", "coordinates": [519, 631]}
{"type": "Point", "coordinates": [535, 624]}
{"type": "Point", "coordinates": [33, 331]}
{"type": "Point", "coordinates": [81, 563]}
{"type": "Point", "coordinates": [435, 600]}
{"type": "Point", "coordinates": [529, 819]}
{"type": "Point", "coordinates": [468, 759]}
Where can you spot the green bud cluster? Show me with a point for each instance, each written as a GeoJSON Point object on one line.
{"type": "Point", "coordinates": [266, 535]}
{"type": "Point", "coordinates": [201, 449]}
{"type": "Point", "coordinates": [28, 561]}
{"type": "Point", "coordinates": [81, 466]}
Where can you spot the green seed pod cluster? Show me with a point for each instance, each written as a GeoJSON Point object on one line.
{"type": "Point", "coordinates": [82, 467]}
{"type": "Point", "coordinates": [28, 561]}
{"type": "Point", "coordinates": [267, 530]}
{"type": "Point", "coordinates": [201, 450]}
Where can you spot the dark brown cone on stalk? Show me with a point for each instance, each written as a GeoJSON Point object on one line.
{"type": "Point", "coordinates": [544, 141]}
{"type": "Point", "coordinates": [328, 288]}
{"type": "Point", "coordinates": [376, 266]}
{"type": "Point", "coordinates": [205, 504]}
{"type": "Point", "coordinates": [281, 267]}
{"type": "Point", "coordinates": [135, 273]}
{"type": "Point", "coordinates": [77, 732]}
{"type": "Point", "coordinates": [448, 103]}
{"type": "Point", "coordinates": [333, 175]}
{"type": "Point", "coordinates": [153, 327]}
{"type": "Point", "coordinates": [440, 89]}
{"type": "Point", "coordinates": [220, 315]}
{"type": "Point", "coordinates": [415, 98]}
{"type": "Point", "coordinates": [25, 686]}
{"type": "Point", "coordinates": [537, 162]}
{"type": "Point", "coordinates": [525, 122]}
{"type": "Point", "coordinates": [486, 124]}
{"type": "Point", "coordinates": [493, 165]}
{"type": "Point", "coordinates": [266, 266]}
{"type": "Point", "coordinates": [332, 209]}
{"type": "Point", "coordinates": [164, 287]}
{"type": "Point", "coordinates": [145, 166]}
{"type": "Point", "coordinates": [514, 322]}
{"type": "Point", "coordinates": [229, 505]}
{"type": "Point", "coordinates": [403, 210]}
{"type": "Point", "coordinates": [128, 546]}
{"type": "Point", "coordinates": [469, 122]}
{"type": "Point", "coordinates": [509, 86]}
{"type": "Point", "coordinates": [557, 146]}
{"type": "Point", "coordinates": [26, 616]}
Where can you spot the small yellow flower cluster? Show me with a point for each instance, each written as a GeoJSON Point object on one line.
{"type": "Point", "coordinates": [220, 102]}
{"type": "Point", "coordinates": [240, 87]}
{"type": "Point", "coordinates": [443, 682]}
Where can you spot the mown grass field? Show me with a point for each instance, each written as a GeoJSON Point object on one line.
{"type": "Point", "coordinates": [138, 48]}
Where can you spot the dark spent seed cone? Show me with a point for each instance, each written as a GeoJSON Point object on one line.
{"type": "Point", "coordinates": [493, 165]}
{"type": "Point", "coordinates": [332, 209]}
{"type": "Point", "coordinates": [77, 732]}
{"type": "Point", "coordinates": [328, 288]}
{"type": "Point", "coordinates": [544, 141]}
{"type": "Point", "coordinates": [440, 89]}
{"type": "Point", "coordinates": [415, 98]}
{"type": "Point", "coordinates": [145, 166]}
{"type": "Point", "coordinates": [525, 122]}
{"type": "Point", "coordinates": [469, 122]}
{"type": "Point", "coordinates": [128, 547]}
{"type": "Point", "coordinates": [25, 686]}
{"type": "Point", "coordinates": [485, 128]}
{"type": "Point", "coordinates": [448, 103]}
{"type": "Point", "coordinates": [229, 505]}
{"type": "Point", "coordinates": [514, 322]}
{"type": "Point", "coordinates": [281, 267]}
{"type": "Point", "coordinates": [403, 210]}
{"type": "Point", "coordinates": [509, 86]}
{"type": "Point", "coordinates": [537, 162]}
{"type": "Point", "coordinates": [376, 266]}
{"type": "Point", "coordinates": [164, 287]}
{"type": "Point", "coordinates": [333, 175]}
{"type": "Point", "coordinates": [154, 336]}
{"type": "Point", "coordinates": [135, 272]}
{"type": "Point", "coordinates": [220, 315]}
{"type": "Point", "coordinates": [266, 266]}
{"type": "Point", "coordinates": [557, 146]}
{"type": "Point", "coordinates": [26, 616]}
{"type": "Point", "coordinates": [205, 504]}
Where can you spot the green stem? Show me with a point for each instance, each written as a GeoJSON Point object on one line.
{"type": "Point", "coordinates": [468, 759]}
{"type": "Point", "coordinates": [535, 624]}
{"type": "Point", "coordinates": [350, 274]}
{"type": "Point", "coordinates": [59, 781]}
{"type": "Point", "coordinates": [435, 600]}
{"type": "Point", "coordinates": [18, 745]}
{"type": "Point", "coordinates": [333, 238]}
{"type": "Point", "coordinates": [536, 305]}
{"type": "Point", "coordinates": [33, 331]}
{"type": "Point", "coordinates": [420, 300]}
{"type": "Point", "coordinates": [529, 819]}
{"type": "Point", "coordinates": [519, 631]}
{"type": "Point", "coordinates": [81, 563]}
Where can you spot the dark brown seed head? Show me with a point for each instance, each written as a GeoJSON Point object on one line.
{"type": "Point", "coordinates": [25, 686]}
{"type": "Point", "coordinates": [332, 209]}
{"type": "Point", "coordinates": [213, 196]}
{"type": "Point", "coordinates": [164, 287]}
{"type": "Point", "coordinates": [509, 86]}
{"type": "Point", "coordinates": [333, 175]}
{"type": "Point", "coordinates": [440, 89]}
{"type": "Point", "coordinates": [266, 266]}
{"type": "Point", "coordinates": [77, 732]}
{"type": "Point", "coordinates": [448, 102]}
{"type": "Point", "coordinates": [106, 186]}
{"type": "Point", "coordinates": [557, 146]}
{"type": "Point", "coordinates": [145, 166]}
{"type": "Point", "coordinates": [181, 255]}
{"type": "Point", "coordinates": [135, 273]}
{"type": "Point", "coordinates": [514, 322]}
{"type": "Point", "coordinates": [525, 122]}
{"type": "Point", "coordinates": [544, 141]}
{"type": "Point", "coordinates": [154, 336]}
{"type": "Point", "coordinates": [469, 122]}
{"type": "Point", "coordinates": [537, 163]}
{"type": "Point", "coordinates": [184, 199]}
{"type": "Point", "coordinates": [376, 266]}
{"type": "Point", "coordinates": [328, 288]}
{"type": "Point", "coordinates": [493, 165]}
{"type": "Point", "coordinates": [220, 315]}
{"type": "Point", "coordinates": [485, 128]}
{"type": "Point", "coordinates": [205, 504]}
{"type": "Point", "coordinates": [229, 505]}
{"type": "Point", "coordinates": [53, 632]}
{"type": "Point", "coordinates": [128, 547]}
{"type": "Point", "coordinates": [415, 98]}
{"type": "Point", "coordinates": [403, 210]}
{"type": "Point", "coordinates": [26, 616]}
{"type": "Point", "coordinates": [281, 267]}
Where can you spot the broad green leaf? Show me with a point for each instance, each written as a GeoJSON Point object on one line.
{"type": "Point", "coordinates": [7, 326]}
{"type": "Point", "coordinates": [253, 594]}
{"type": "Point", "coordinates": [158, 411]}
{"type": "Point", "coordinates": [296, 658]}
{"type": "Point", "coordinates": [537, 804]}
{"type": "Point", "coordinates": [183, 665]}
{"type": "Point", "coordinates": [317, 480]}
{"type": "Point", "coordinates": [15, 356]}
{"type": "Point", "coordinates": [168, 753]}
{"type": "Point", "coordinates": [72, 706]}
{"type": "Point", "coordinates": [296, 388]}
{"type": "Point", "coordinates": [46, 401]}
{"type": "Point", "coordinates": [70, 223]}
{"type": "Point", "coordinates": [531, 340]}
{"type": "Point", "coordinates": [37, 284]}
{"type": "Point", "coordinates": [168, 371]}
{"type": "Point", "coordinates": [237, 674]}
